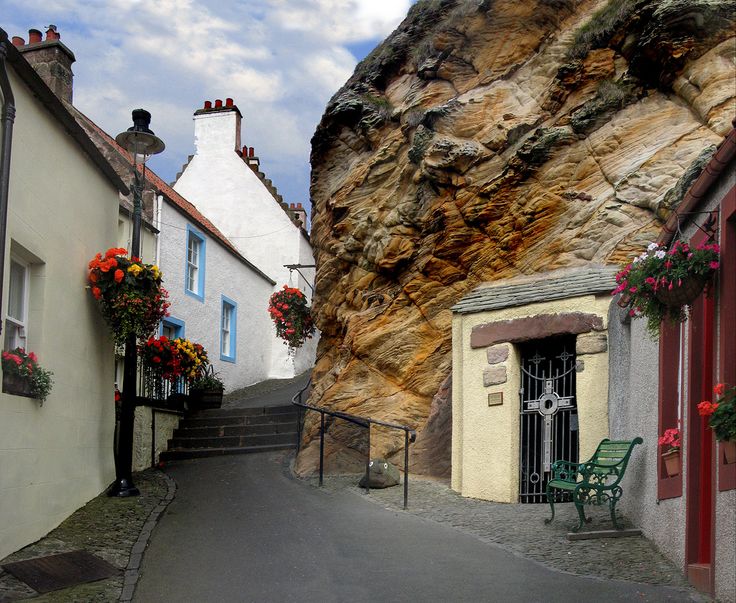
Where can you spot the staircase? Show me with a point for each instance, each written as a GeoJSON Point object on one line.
{"type": "Point", "coordinates": [219, 431]}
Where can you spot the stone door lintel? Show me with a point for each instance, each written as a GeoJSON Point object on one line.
{"type": "Point", "coordinates": [518, 330]}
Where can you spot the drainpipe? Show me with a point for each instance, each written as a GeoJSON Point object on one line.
{"type": "Point", "coordinates": [8, 117]}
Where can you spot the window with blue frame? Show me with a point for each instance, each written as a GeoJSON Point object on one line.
{"type": "Point", "coordinates": [228, 329]}
{"type": "Point", "coordinates": [172, 327]}
{"type": "Point", "coordinates": [195, 264]}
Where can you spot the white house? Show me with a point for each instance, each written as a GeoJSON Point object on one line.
{"type": "Point", "coordinates": [62, 208]}
{"type": "Point", "coordinates": [224, 181]}
{"type": "Point", "coordinates": [216, 295]}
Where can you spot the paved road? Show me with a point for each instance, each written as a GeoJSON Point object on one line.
{"type": "Point", "coordinates": [241, 529]}
{"type": "Point", "coordinates": [273, 392]}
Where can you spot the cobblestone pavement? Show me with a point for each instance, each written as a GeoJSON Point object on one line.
{"type": "Point", "coordinates": [107, 527]}
{"type": "Point", "coordinates": [521, 530]}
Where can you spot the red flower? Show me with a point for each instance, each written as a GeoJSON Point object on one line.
{"type": "Point", "coordinates": [156, 359]}
{"type": "Point", "coordinates": [96, 292]}
{"type": "Point", "coordinates": [719, 389]}
{"type": "Point", "coordinates": [119, 275]}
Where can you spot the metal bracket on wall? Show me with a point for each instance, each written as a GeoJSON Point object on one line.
{"type": "Point", "coordinates": [296, 267]}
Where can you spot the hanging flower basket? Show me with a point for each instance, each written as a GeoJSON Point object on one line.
{"type": "Point", "coordinates": [291, 316]}
{"type": "Point", "coordinates": [661, 283]}
{"type": "Point", "coordinates": [683, 293]}
{"type": "Point", "coordinates": [129, 292]}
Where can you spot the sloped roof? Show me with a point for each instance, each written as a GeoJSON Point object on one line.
{"type": "Point", "coordinates": [60, 111]}
{"type": "Point", "coordinates": [174, 198]}
{"type": "Point", "coordinates": [539, 287]}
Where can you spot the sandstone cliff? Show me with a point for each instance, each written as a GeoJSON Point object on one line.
{"type": "Point", "coordinates": [483, 140]}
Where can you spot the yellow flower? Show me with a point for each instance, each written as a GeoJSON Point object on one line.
{"type": "Point", "coordinates": [156, 272]}
{"type": "Point", "coordinates": [135, 269]}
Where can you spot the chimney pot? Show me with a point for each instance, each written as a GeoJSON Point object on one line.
{"type": "Point", "coordinates": [228, 102]}
{"type": "Point", "coordinates": [251, 152]}
{"type": "Point", "coordinates": [292, 206]}
{"type": "Point", "coordinates": [52, 33]}
{"type": "Point", "coordinates": [218, 103]}
{"type": "Point", "coordinates": [34, 36]}
{"type": "Point", "coordinates": [298, 205]}
{"type": "Point", "coordinates": [244, 152]}
{"type": "Point", "coordinates": [18, 41]}
{"type": "Point", "coordinates": [208, 104]}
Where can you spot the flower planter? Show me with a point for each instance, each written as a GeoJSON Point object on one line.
{"type": "Point", "coordinates": [672, 462]}
{"type": "Point", "coordinates": [17, 385]}
{"type": "Point", "coordinates": [729, 451]}
{"type": "Point", "coordinates": [684, 294]}
{"type": "Point", "coordinates": [205, 398]}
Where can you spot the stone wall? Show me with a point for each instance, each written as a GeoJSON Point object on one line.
{"type": "Point", "coordinates": [166, 423]}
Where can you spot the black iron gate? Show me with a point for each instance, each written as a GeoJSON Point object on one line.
{"type": "Point", "coordinates": [549, 416]}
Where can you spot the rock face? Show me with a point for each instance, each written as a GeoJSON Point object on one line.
{"type": "Point", "coordinates": [480, 141]}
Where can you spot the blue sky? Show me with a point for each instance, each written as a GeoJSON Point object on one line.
{"type": "Point", "coordinates": [280, 60]}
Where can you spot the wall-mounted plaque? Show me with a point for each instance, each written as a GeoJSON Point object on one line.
{"type": "Point", "coordinates": [495, 399]}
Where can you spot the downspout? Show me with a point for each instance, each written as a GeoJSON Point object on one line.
{"type": "Point", "coordinates": [8, 117]}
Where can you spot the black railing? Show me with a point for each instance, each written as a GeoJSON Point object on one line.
{"type": "Point", "coordinates": [154, 390]}
{"type": "Point", "coordinates": [409, 436]}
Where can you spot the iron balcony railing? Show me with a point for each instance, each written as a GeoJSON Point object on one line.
{"type": "Point", "coordinates": [410, 436]}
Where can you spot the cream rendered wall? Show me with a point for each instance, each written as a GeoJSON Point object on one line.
{"type": "Point", "coordinates": [485, 447]}
{"type": "Point", "coordinates": [62, 210]}
{"type": "Point", "coordinates": [224, 275]}
{"type": "Point", "coordinates": [230, 194]}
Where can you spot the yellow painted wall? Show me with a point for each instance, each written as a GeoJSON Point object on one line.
{"type": "Point", "coordinates": [485, 440]}
{"type": "Point", "coordinates": [62, 210]}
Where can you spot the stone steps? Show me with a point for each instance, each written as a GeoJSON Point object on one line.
{"type": "Point", "coordinates": [218, 431]}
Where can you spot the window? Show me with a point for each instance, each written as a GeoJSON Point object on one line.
{"type": "Point", "coordinates": [195, 264]}
{"type": "Point", "coordinates": [172, 327]}
{"type": "Point", "coordinates": [228, 323]}
{"type": "Point", "coordinates": [17, 314]}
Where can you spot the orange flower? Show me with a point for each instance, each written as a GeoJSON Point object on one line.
{"type": "Point", "coordinates": [119, 275]}
{"type": "Point", "coordinates": [113, 251]}
{"type": "Point", "coordinates": [93, 277]}
{"type": "Point", "coordinates": [96, 292]}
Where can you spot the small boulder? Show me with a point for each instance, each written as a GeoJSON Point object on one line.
{"type": "Point", "coordinates": [381, 474]}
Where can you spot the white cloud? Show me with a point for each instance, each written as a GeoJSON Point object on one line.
{"type": "Point", "coordinates": [280, 60]}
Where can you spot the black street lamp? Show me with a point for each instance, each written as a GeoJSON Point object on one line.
{"type": "Point", "coordinates": [140, 142]}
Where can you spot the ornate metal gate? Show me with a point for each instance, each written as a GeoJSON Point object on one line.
{"type": "Point", "coordinates": [549, 416]}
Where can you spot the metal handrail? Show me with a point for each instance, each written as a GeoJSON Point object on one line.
{"type": "Point", "coordinates": [410, 435]}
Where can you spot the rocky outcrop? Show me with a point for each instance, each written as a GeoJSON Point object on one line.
{"type": "Point", "coordinates": [480, 141]}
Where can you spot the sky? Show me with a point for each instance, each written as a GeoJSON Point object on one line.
{"type": "Point", "coordinates": [279, 60]}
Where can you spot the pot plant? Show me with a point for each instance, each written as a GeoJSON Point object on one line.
{"type": "Point", "coordinates": [669, 441]}
{"type": "Point", "coordinates": [660, 283]}
{"type": "Point", "coordinates": [23, 376]}
{"type": "Point", "coordinates": [131, 298]}
{"type": "Point", "coordinates": [291, 316]}
{"type": "Point", "coordinates": [207, 389]}
{"type": "Point", "coordinates": [722, 418]}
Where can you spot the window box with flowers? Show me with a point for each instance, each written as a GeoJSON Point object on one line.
{"type": "Point", "coordinates": [670, 444]}
{"type": "Point", "coordinates": [722, 418]}
{"type": "Point", "coordinates": [23, 376]}
{"type": "Point", "coordinates": [291, 316]}
{"type": "Point", "coordinates": [661, 282]}
{"type": "Point", "coordinates": [129, 292]}
{"type": "Point", "coordinates": [206, 389]}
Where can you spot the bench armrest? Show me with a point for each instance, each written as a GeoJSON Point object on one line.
{"type": "Point", "coordinates": [565, 471]}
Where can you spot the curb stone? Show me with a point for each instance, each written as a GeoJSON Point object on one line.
{"type": "Point", "coordinates": [132, 572]}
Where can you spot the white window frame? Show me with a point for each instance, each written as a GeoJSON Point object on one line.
{"type": "Point", "coordinates": [18, 324]}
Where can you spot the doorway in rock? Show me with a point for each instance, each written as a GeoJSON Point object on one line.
{"type": "Point", "coordinates": [549, 416]}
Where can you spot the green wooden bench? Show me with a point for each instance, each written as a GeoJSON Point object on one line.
{"type": "Point", "coordinates": [595, 482]}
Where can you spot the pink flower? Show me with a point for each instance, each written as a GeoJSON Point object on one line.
{"type": "Point", "coordinates": [714, 265]}
{"type": "Point", "coordinates": [719, 389]}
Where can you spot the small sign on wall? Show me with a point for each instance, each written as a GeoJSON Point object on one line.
{"type": "Point", "coordinates": [495, 399]}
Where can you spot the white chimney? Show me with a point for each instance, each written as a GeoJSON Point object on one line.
{"type": "Point", "coordinates": [217, 128]}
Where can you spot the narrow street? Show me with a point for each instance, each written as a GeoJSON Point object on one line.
{"type": "Point", "coordinates": [242, 529]}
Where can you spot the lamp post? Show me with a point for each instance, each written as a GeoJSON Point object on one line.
{"type": "Point", "coordinates": [140, 142]}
